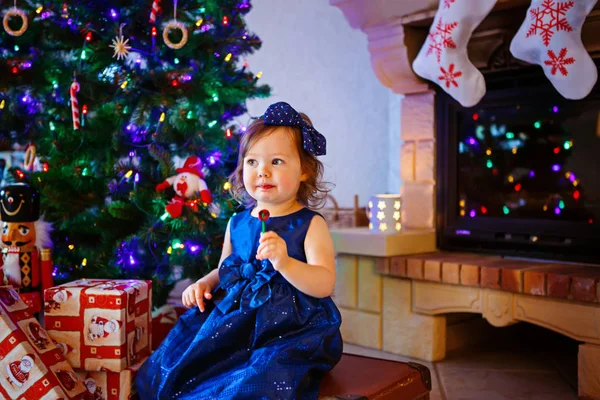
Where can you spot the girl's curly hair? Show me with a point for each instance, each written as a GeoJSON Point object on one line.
{"type": "Point", "coordinates": [312, 192]}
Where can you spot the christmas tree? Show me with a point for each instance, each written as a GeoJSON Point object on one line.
{"type": "Point", "coordinates": [112, 98]}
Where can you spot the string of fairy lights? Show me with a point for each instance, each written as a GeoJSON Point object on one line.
{"type": "Point", "coordinates": [518, 180]}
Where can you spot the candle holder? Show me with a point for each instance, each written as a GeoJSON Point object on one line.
{"type": "Point", "coordinates": [384, 212]}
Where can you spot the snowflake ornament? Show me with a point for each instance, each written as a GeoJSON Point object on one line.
{"type": "Point", "coordinates": [548, 19]}
{"type": "Point", "coordinates": [441, 38]}
{"type": "Point", "coordinates": [559, 62]}
{"type": "Point", "coordinates": [120, 45]}
{"type": "Point", "coordinates": [448, 3]}
{"type": "Point", "coordinates": [449, 76]}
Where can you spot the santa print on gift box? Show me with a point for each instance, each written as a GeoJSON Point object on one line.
{"type": "Point", "coordinates": [188, 182]}
{"type": "Point", "coordinates": [94, 391]}
{"type": "Point", "coordinates": [17, 372]}
{"type": "Point", "coordinates": [101, 327]}
{"type": "Point", "coordinates": [54, 297]}
{"type": "Point", "coordinates": [26, 264]}
{"type": "Point", "coordinates": [137, 336]}
{"type": "Point", "coordinates": [67, 378]}
{"type": "Point", "coordinates": [8, 297]}
{"type": "Point", "coordinates": [38, 335]}
{"type": "Point", "coordinates": [64, 348]}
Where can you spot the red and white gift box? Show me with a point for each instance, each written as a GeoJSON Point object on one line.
{"type": "Point", "coordinates": [163, 320]}
{"type": "Point", "coordinates": [108, 385]}
{"type": "Point", "coordinates": [101, 324]}
{"type": "Point", "coordinates": [31, 366]}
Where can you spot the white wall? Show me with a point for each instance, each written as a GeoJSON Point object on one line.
{"type": "Point", "coordinates": [313, 60]}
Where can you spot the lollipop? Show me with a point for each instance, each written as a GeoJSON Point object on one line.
{"type": "Point", "coordinates": [264, 215]}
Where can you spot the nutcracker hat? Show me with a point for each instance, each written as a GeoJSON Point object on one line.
{"type": "Point", "coordinates": [193, 165]}
{"type": "Point", "coordinates": [19, 203]}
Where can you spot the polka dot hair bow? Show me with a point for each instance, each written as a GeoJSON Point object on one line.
{"type": "Point", "coordinates": [284, 115]}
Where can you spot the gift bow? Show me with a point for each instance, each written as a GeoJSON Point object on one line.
{"type": "Point", "coordinates": [245, 282]}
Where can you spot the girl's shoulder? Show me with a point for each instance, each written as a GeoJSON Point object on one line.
{"type": "Point", "coordinates": [239, 217]}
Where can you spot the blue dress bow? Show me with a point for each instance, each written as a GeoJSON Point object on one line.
{"type": "Point", "coordinates": [245, 282]}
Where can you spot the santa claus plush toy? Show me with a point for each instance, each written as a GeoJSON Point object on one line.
{"type": "Point", "coordinates": [189, 182]}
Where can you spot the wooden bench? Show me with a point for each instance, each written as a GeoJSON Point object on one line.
{"type": "Point", "coordinates": [364, 378]}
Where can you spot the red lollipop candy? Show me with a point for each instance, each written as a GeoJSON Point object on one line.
{"type": "Point", "coordinates": [264, 215]}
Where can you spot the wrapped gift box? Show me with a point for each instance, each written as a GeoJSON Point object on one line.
{"type": "Point", "coordinates": [31, 366]}
{"type": "Point", "coordinates": [163, 320]}
{"type": "Point", "coordinates": [108, 385]}
{"type": "Point", "coordinates": [101, 324]}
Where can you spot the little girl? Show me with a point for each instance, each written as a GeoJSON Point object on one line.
{"type": "Point", "coordinates": [276, 330]}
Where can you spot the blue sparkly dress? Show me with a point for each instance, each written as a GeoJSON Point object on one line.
{"type": "Point", "coordinates": [264, 340]}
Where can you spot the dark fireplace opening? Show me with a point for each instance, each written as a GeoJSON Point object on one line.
{"type": "Point", "coordinates": [519, 173]}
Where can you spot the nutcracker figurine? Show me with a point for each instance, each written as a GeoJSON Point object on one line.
{"type": "Point", "coordinates": [26, 255]}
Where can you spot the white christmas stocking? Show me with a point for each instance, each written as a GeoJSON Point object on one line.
{"type": "Point", "coordinates": [443, 57]}
{"type": "Point", "coordinates": [550, 37]}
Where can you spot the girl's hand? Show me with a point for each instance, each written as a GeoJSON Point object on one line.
{"type": "Point", "coordinates": [195, 294]}
{"type": "Point", "coordinates": [273, 248]}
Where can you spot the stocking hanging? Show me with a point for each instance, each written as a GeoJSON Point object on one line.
{"type": "Point", "coordinates": [443, 58]}
{"type": "Point", "coordinates": [550, 37]}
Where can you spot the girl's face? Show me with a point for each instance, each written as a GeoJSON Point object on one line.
{"type": "Point", "coordinates": [272, 170]}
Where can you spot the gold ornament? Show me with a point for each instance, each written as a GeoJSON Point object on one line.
{"type": "Point", "coordinates": [15, 12]}
{"type": "Point", "coordinates": [29, 158]}
{"type": "Point", "coordinates": [174, 24]}
{"type": "Point", "coordinates": [120, 45]}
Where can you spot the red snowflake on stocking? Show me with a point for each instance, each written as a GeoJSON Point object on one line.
{"type": "Point", "coordinates": [549, 18]}
{"type": "Point", "coordinates": [447, 3]}
{"type": "Point", "coordinates": [441, 38]}
{"type": "Point", "coordinates": [449, 76]}
{"type": "Point", "coordinates": [558, 63]}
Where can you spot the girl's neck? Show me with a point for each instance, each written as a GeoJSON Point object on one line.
{"type": "Point", "coordinates": [277, 210]}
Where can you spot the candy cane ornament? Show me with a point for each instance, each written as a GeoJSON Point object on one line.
{"type": "Point", "coordinates": [154, 11]}
{"type": "Point", "coordinates": [75, 105]}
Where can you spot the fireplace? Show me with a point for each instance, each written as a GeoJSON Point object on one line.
{"type": "Point", "coordinates": [519, 173]}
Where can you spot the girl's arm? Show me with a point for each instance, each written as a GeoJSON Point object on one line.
{"type": "Point", "coordinates": [316, 277]}
{"type": "Point", "coordinates": [212, 278]}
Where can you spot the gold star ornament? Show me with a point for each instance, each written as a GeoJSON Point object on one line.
{"type": "Point", "coordinates": [120, 45]}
